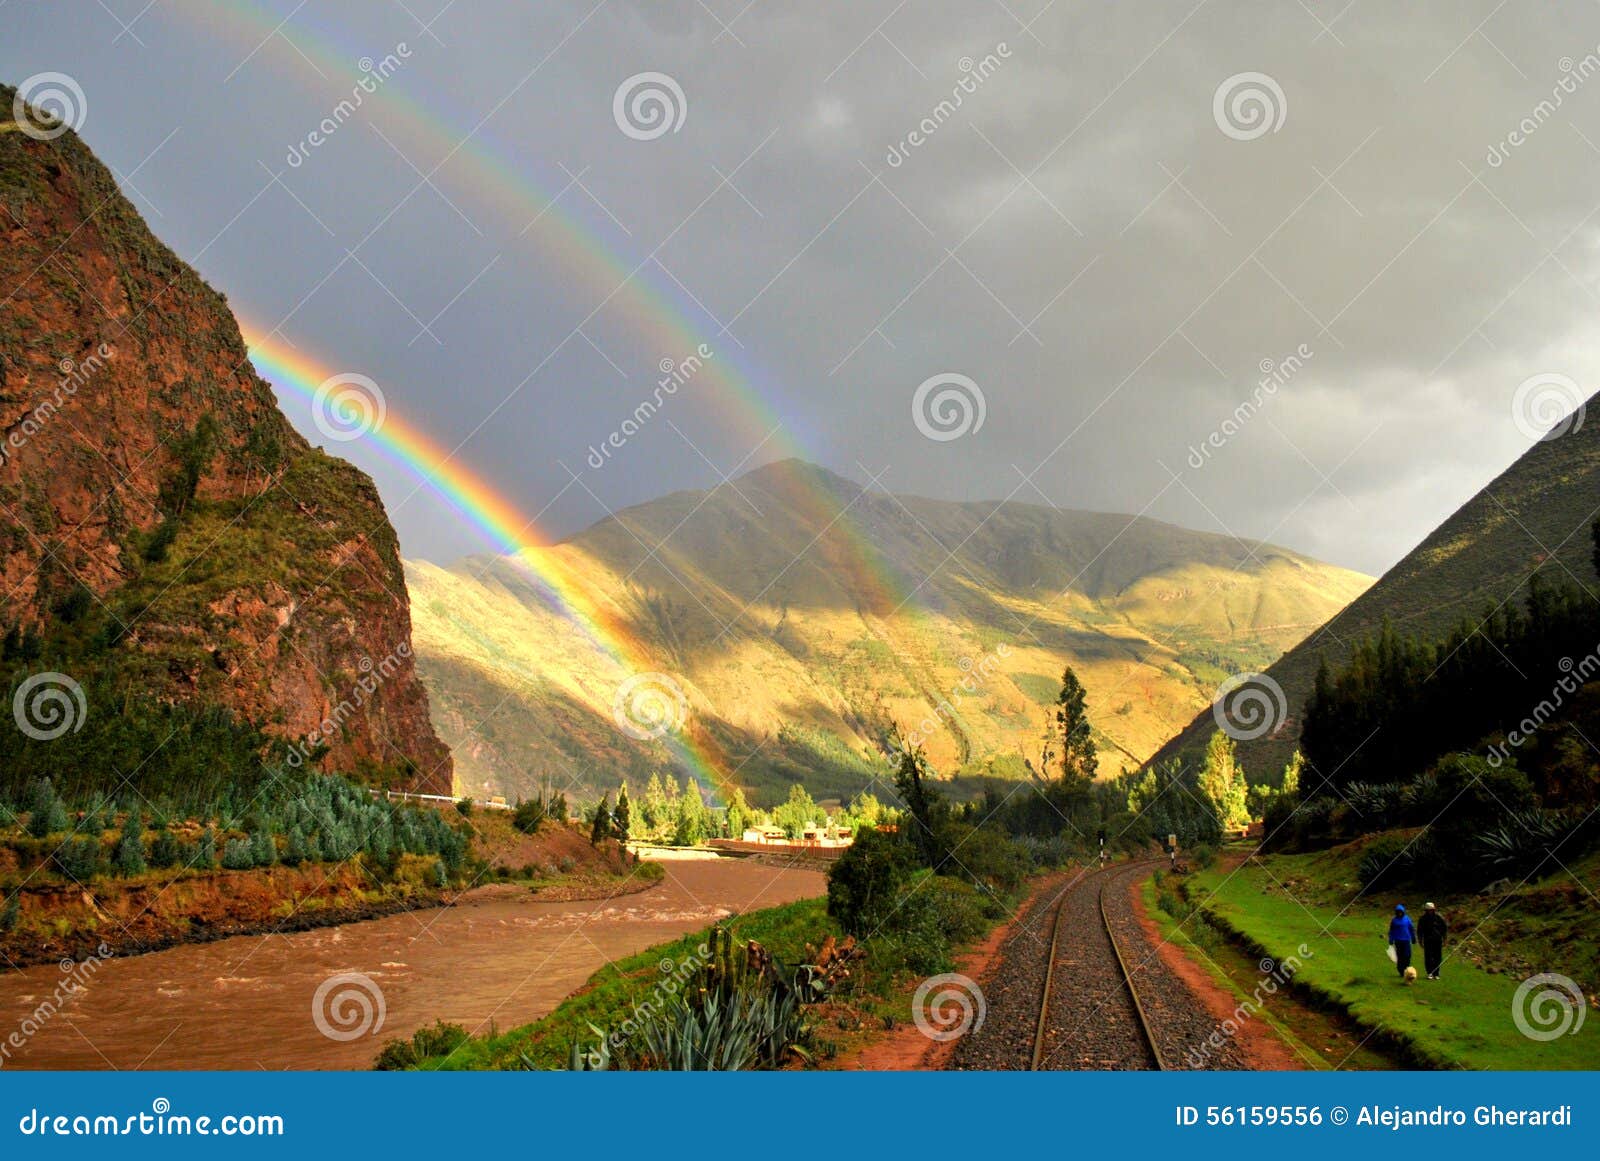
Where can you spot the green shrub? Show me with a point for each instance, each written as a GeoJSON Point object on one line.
{"type": "Point", "coordinates": [130, 857]}
{"type": "Point", "coordinates": [985, 858]}
{"type": "Point", "coordinates": [439, 1040]}
{"type": "Point", "coordinates": [165, 850]}
{"type": "Point", "coordinates": [1389, 862]}
{"type": "Point", "coordinates": [866, 880]}
{"type": "Point", "coordinates": [528, 816]}
{"type": "Point", "coordinates": [79, 859]}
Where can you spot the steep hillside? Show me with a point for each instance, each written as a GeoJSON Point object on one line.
{"type": "Point", "coordinates": [1531, 520]}
{"type": "Point", "coordinates": [169, 539]}
{"type": "Point", "coordinates": [798, 615]}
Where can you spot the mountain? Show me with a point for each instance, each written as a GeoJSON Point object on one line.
{"type": "Point", "coordinates": [789, 616]}
{"type": "Point", "coordinates": [1533, 520]}
{"type": "Point", "coordinates": [170, 540]}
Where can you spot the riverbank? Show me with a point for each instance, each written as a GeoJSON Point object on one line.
{"type": "Point", "coordinates": [867, 1021]}
{"type": "Point", "coordinates": [499, 956]}
{"type": "Point", "coordinates": [162, 909]}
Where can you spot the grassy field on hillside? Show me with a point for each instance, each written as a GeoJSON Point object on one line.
{"type": "Point", "coordinates": [1465, 1020]}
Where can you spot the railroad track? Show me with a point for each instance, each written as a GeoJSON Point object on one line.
{"type": "Point", "coordinates": [1127, 979]}
{"type": "Point", "coordinates": [1080, 987]}
{"type": "Point", "coordinates": [1140, 1022]}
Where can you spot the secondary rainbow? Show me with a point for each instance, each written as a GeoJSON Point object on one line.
{"type": "Point", "coordinates": [656, 307]}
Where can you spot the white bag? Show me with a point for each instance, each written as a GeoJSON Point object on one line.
{"type": "Point", "coordinates": [1394, 956]}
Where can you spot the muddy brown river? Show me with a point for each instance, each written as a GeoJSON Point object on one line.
{"type": "Point", "coordinates": [252, 1002]}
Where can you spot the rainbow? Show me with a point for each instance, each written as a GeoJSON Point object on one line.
{"type": "Point", "coordinates": [657, 309]}
{"type": "Point", "coordinates": [498, 522]}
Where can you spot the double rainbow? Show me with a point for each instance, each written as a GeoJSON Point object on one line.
{"type": "Point", "coordinates": [656, 308]}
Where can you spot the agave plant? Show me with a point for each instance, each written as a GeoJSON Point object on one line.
{"type": "Point", "coordinates": [757, 1027]}
{"type": "Point", "coordinates": [737, 1012]}
{"type": "Point", "coordinates": [1522, 842]}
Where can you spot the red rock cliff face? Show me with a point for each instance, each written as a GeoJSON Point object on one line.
{"type": "Point", "coordinates": [155, 503]}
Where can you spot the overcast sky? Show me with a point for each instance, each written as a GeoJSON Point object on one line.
{"type": "Point", "coordinates": [1109, 237]}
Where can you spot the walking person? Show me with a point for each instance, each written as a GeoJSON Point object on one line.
{"type": "Point", "coordinates": [1402, 934]}
{"type": "Point", "coordinates": [1433, 929]}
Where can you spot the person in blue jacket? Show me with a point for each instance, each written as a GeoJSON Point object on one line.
{"type": "Point", "coordinates": [1402, 934]}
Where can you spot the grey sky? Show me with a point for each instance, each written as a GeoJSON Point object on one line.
{"type": "Point", "coordinates": [1080, 238]}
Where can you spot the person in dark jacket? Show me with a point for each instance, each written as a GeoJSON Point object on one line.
{"type": "Point", "coordinates": [1433, 929]}
{"type": "Point", "coordinates": [1402, 934]}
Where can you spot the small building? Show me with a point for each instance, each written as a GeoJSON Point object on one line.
{"type": "Point", "coordinates": [765, 834]}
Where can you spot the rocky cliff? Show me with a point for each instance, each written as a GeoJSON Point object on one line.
{"type": "Point", "coordinates": [167, 534]}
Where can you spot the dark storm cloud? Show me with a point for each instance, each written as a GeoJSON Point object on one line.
{"type": "Point", "coordinates": [1080, 237]}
